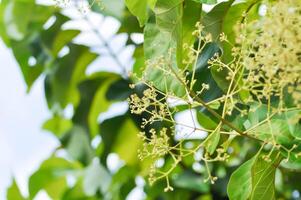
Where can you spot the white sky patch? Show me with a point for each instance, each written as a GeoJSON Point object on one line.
{"type": "Point", "coordinates": [136, 194]}
{"type": "Point", "coordinates": [64, 51]}
{"type": "Point", "coordinates": [42, 195]}
{"type": "Point", "coordinates": [208, 8]}
{"type": "Point", "coordinates": [137, 38]}
{"type": "Point", "coordinates": [186, 122]}
{"type": "Point", "coordinates": [114, 110]}
{"type": "Point", "coordinates": [49, 22]}
{"type": "Point", "coordinates": [46, 2]}
{"type": "Point", "coordinates": [96, 141]}
{"type": "Point", "coordinates": [172, 102]}
{"type": "Point", "coordinates": [262, 10]}
{"type": "Point", "coordinates": [114, 163]}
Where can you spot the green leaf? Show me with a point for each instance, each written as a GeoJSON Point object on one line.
{"type": "Point", "coordinates": [77, 192]}
{"type": "Point", "coordinates": [69, 71]}
{"type": "Point", "coordinates": [165, 82]}
{"type": "Point", "coordinates": [139, 8]}
{"type": "Point", "coordinates": [51, 177]}
{"type": "Point", "coordinates": [203, 74]}
{"type": "Point", "coordinates": [235, 15]}
{"type": "Point", "coordinates": [114, 138]}
{"type": "Point", "coordinates": [23, 22]}
{"type": "Point", "coordinates": [127, 150]}
{"type": "Point", "coordinates": [255, 178]}
{"type": "Point", "coordinates": [114, 8]}
{"type": "Point", "coordinates": [77, 144]}
{"type": "Point", "coordinates": [109, 132]}
{"type": "Point", "coordinates": [275, 129]}
{"type": "Point", "coordinates": [205, 121]}
{"type": "Point", "coordinates": [119, 90]}
{"type": "Point", "coordinates": [96, 179]}
{"type": "Point", "coordinates": [263, 177]}
{"type": "Point", "coordinates": [160, 39]}
{"type": "Point", "coordinates": [129, 24]}
{"type": "Point", "coordinates": [90, 90]}
{"type": "Point", "coordinates": [212, 140]}
{"type": "Point", "coordinates": [99, 104]}
{"type": "Point", "coordinates": [13, 192]}
{"type": "Point", "coordinates": [22, 17]}
{"type": "Point", "coordinates": [169, 20]}
{"type": "Point", "coordinates": [156, 42]}
{"type": "Point", "coordinates": [123, 182]}
{"type": "Point", "coordinates": [188, 180]}
{"type": "Point", "coordinates": [240, 183]}
{"type": "Point", "coordinates": [191, 15]}
{"type": "Point", "coordinates": [57, 125]}
{"type": "Point", "coordinates": [210, 2]}
{"type": "Point", "coordinates": [155, 46]}
{"type": "Point", "coordinates": [278, 128]}
{"type": "Point", "coordinates": [214, 20]}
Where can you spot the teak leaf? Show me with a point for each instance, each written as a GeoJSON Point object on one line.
{"type": "Point", "coordinates": [255, 178]}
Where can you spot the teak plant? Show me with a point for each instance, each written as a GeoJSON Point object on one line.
{"type": "Point", "coordinates": [258, 74]}
{"type": "Point", "coordinates": [214, 97]}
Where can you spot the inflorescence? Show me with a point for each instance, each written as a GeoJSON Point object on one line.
{"type": "Point", "coordinates": [264, 72]}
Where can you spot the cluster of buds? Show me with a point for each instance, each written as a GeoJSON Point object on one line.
{"type": "Point", "coordinates": [272, 58]}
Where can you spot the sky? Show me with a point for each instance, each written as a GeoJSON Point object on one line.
{"type": "Point", "coordinates": [23, 145]}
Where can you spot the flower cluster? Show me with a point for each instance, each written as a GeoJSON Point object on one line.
{"type": "Point", "coordinates": [271, 53]}
{"type": "Point", "coordinates": [151, 104]}
{"type": "Point", "coordinates": [266, 68]}
{"type": "Point", "coordinates": [156, 146]}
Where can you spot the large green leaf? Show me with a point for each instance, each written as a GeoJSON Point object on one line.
{"type": "Point", "coordinates": [55, 38]}
{"type": "Point", "coordinates": [263, 177]}
{"type": "Point", "coordinates": [139, 8]}
{"type": "Point", "coordinates": [93, 91]}
{"type": "Point", "coordinates": [191, 15]}
{"type": "Point", "coordinates": [51, 177]}
{"type": "Point", "coordinates": [114, 138]}
{"type": "Point", "coordinates": [13, 192]}
{"type": "Point", "coordinates": [114, 8]}
{"type": "Point", "coordinates": [57, 125]}
{"type": "Point", "coordinates": [206, 1]}
{"type": "Point", "coordinates": [169, 16]}
{"type": "Point", "coordinates": [127, 150]}
{"type": "Point", "coordinates": [255, 178]}
{"type": "Point", "coordinates": [188, 180]}
{"type": "Point", "coordinates": [109, 132]}
{"type": "Point", "coordinates": [77, 192]}
{"type": "Point", "coordinates": [69, 71]}
{"type": "Point", "coordinates": [96, 179]}
{"type": "Point", "coordinates": [156, 46]}
{"type": "Point", "coordinates": [203, 74]}
{"type": "Point", "coordinates": [77, 144]}
{"type": "Point", "coordinates": [277, 129]}
{"type": "Point", "coordinates": [23, 17]}
{"type": "Point", "coordinates": [156, 42]}
{"type": "Point", "coordinates": [23, 21]}
{"type": "Point", "coordinates": [99, 104]}
{"type": "Point", "coordinates": [212, 140]}
{"type": "Point", "coordinates": [241, 177]}
{"type": "Point", "coordinates": [123, 182]}
{"type": "Point", "coordinates": [214, 20]}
